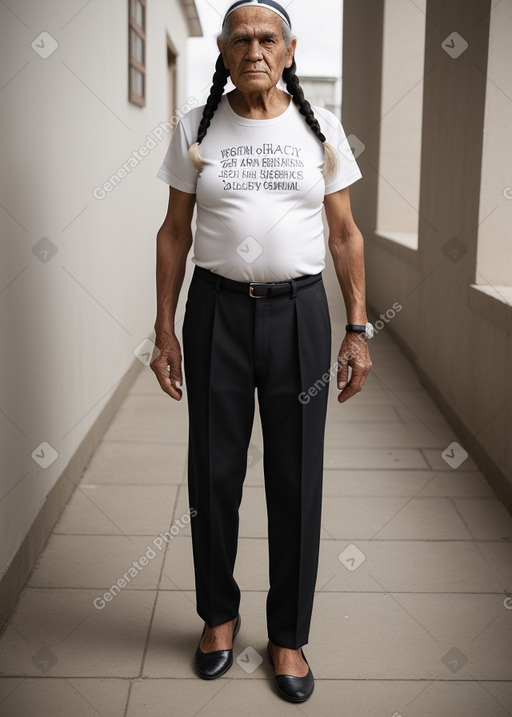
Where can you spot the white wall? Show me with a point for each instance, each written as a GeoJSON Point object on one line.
{"type": "Point", "coordinates": [70, 325]}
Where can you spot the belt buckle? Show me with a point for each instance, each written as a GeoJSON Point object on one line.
{"type": "Point", "coordinates": [251, 289]}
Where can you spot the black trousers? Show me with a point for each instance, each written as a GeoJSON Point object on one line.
{"type": "Point", "coordinates": [233, 346]}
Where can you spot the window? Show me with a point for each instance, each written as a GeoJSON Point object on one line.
{"type": "Point", "coordinates": [137, 52]}
{"type": "Point", "coordinates": [401, 120]}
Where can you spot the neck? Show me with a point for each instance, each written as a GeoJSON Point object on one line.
{"type": "Point", "coordinates": [259, 105]}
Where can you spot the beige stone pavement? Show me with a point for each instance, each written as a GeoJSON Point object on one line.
{"type": "Point", "coordinates": [410, 614]}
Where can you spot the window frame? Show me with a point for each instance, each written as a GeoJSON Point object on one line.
{"type": "Point", "coordinates": [133, 63]}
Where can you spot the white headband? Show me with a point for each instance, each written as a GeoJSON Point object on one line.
{"type": "Point", "coordinates": [270, 4]}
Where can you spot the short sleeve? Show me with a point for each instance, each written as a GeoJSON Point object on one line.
{"type": "Point", "coordinates": [176, 169]}
{"type": "Point", "coordinates": [348, 170]}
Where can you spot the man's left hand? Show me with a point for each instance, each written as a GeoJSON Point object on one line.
{"type": "Point", "coordinates": [354, 353]}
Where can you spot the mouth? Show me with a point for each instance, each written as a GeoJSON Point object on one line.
{"type": "Point", "coordinates": [254, 72]}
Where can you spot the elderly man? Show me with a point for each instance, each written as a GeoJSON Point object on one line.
{"type": "Point", "coordinates": [260, 163]}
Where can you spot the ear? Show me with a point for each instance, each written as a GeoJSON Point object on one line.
{"type": "Point", "coordinates": [291, 53]}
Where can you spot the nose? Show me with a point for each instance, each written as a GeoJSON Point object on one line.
{"type": "Point", "coordinates": [254, 51]}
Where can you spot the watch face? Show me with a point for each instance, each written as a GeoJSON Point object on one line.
{"type": "Point", "coordinates": [369, 330]}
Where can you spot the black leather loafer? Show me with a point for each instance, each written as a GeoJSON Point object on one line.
{"type": "Point", "coordinates": [291, 687]}
{"type": "Point", "coordinates": [214, 664]}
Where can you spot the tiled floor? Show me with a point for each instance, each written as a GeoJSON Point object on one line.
{"type": "Point", "coordinates": [410, 615]}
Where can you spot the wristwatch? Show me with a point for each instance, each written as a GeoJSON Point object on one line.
{"type": "Point", "coordinates": [366, 329]}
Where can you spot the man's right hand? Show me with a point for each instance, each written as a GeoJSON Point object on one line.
{"type": "Point", "coordinates": [170, 355]}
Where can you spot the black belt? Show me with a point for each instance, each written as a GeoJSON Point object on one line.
{"type": "Point", "coordinates": [259, 289]}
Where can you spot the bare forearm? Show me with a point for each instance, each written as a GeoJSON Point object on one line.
{"type": "Point", "coordinates": [347, 249]}
{"type": "Point", "coordinates": [171, 259]}
{"type": "Point", "coordinates": [348, 258]}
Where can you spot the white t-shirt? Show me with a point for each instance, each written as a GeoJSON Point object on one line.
{"type": "Point", "coordinates": [260, 192]}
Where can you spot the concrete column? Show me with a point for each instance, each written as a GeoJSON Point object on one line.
{"type": "Point", "coordinates": [360, 112]}
{"type": "Point", "coordinates": [458, 339]}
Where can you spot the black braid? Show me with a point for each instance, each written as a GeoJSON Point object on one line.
{"type": "Point", "coordinates": [220, 78]}
{"type": "Point", "coordinates": [297, 93]}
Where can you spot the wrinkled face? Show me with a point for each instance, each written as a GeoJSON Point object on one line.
{"type": "Point", "coordinates": [255, 52]}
